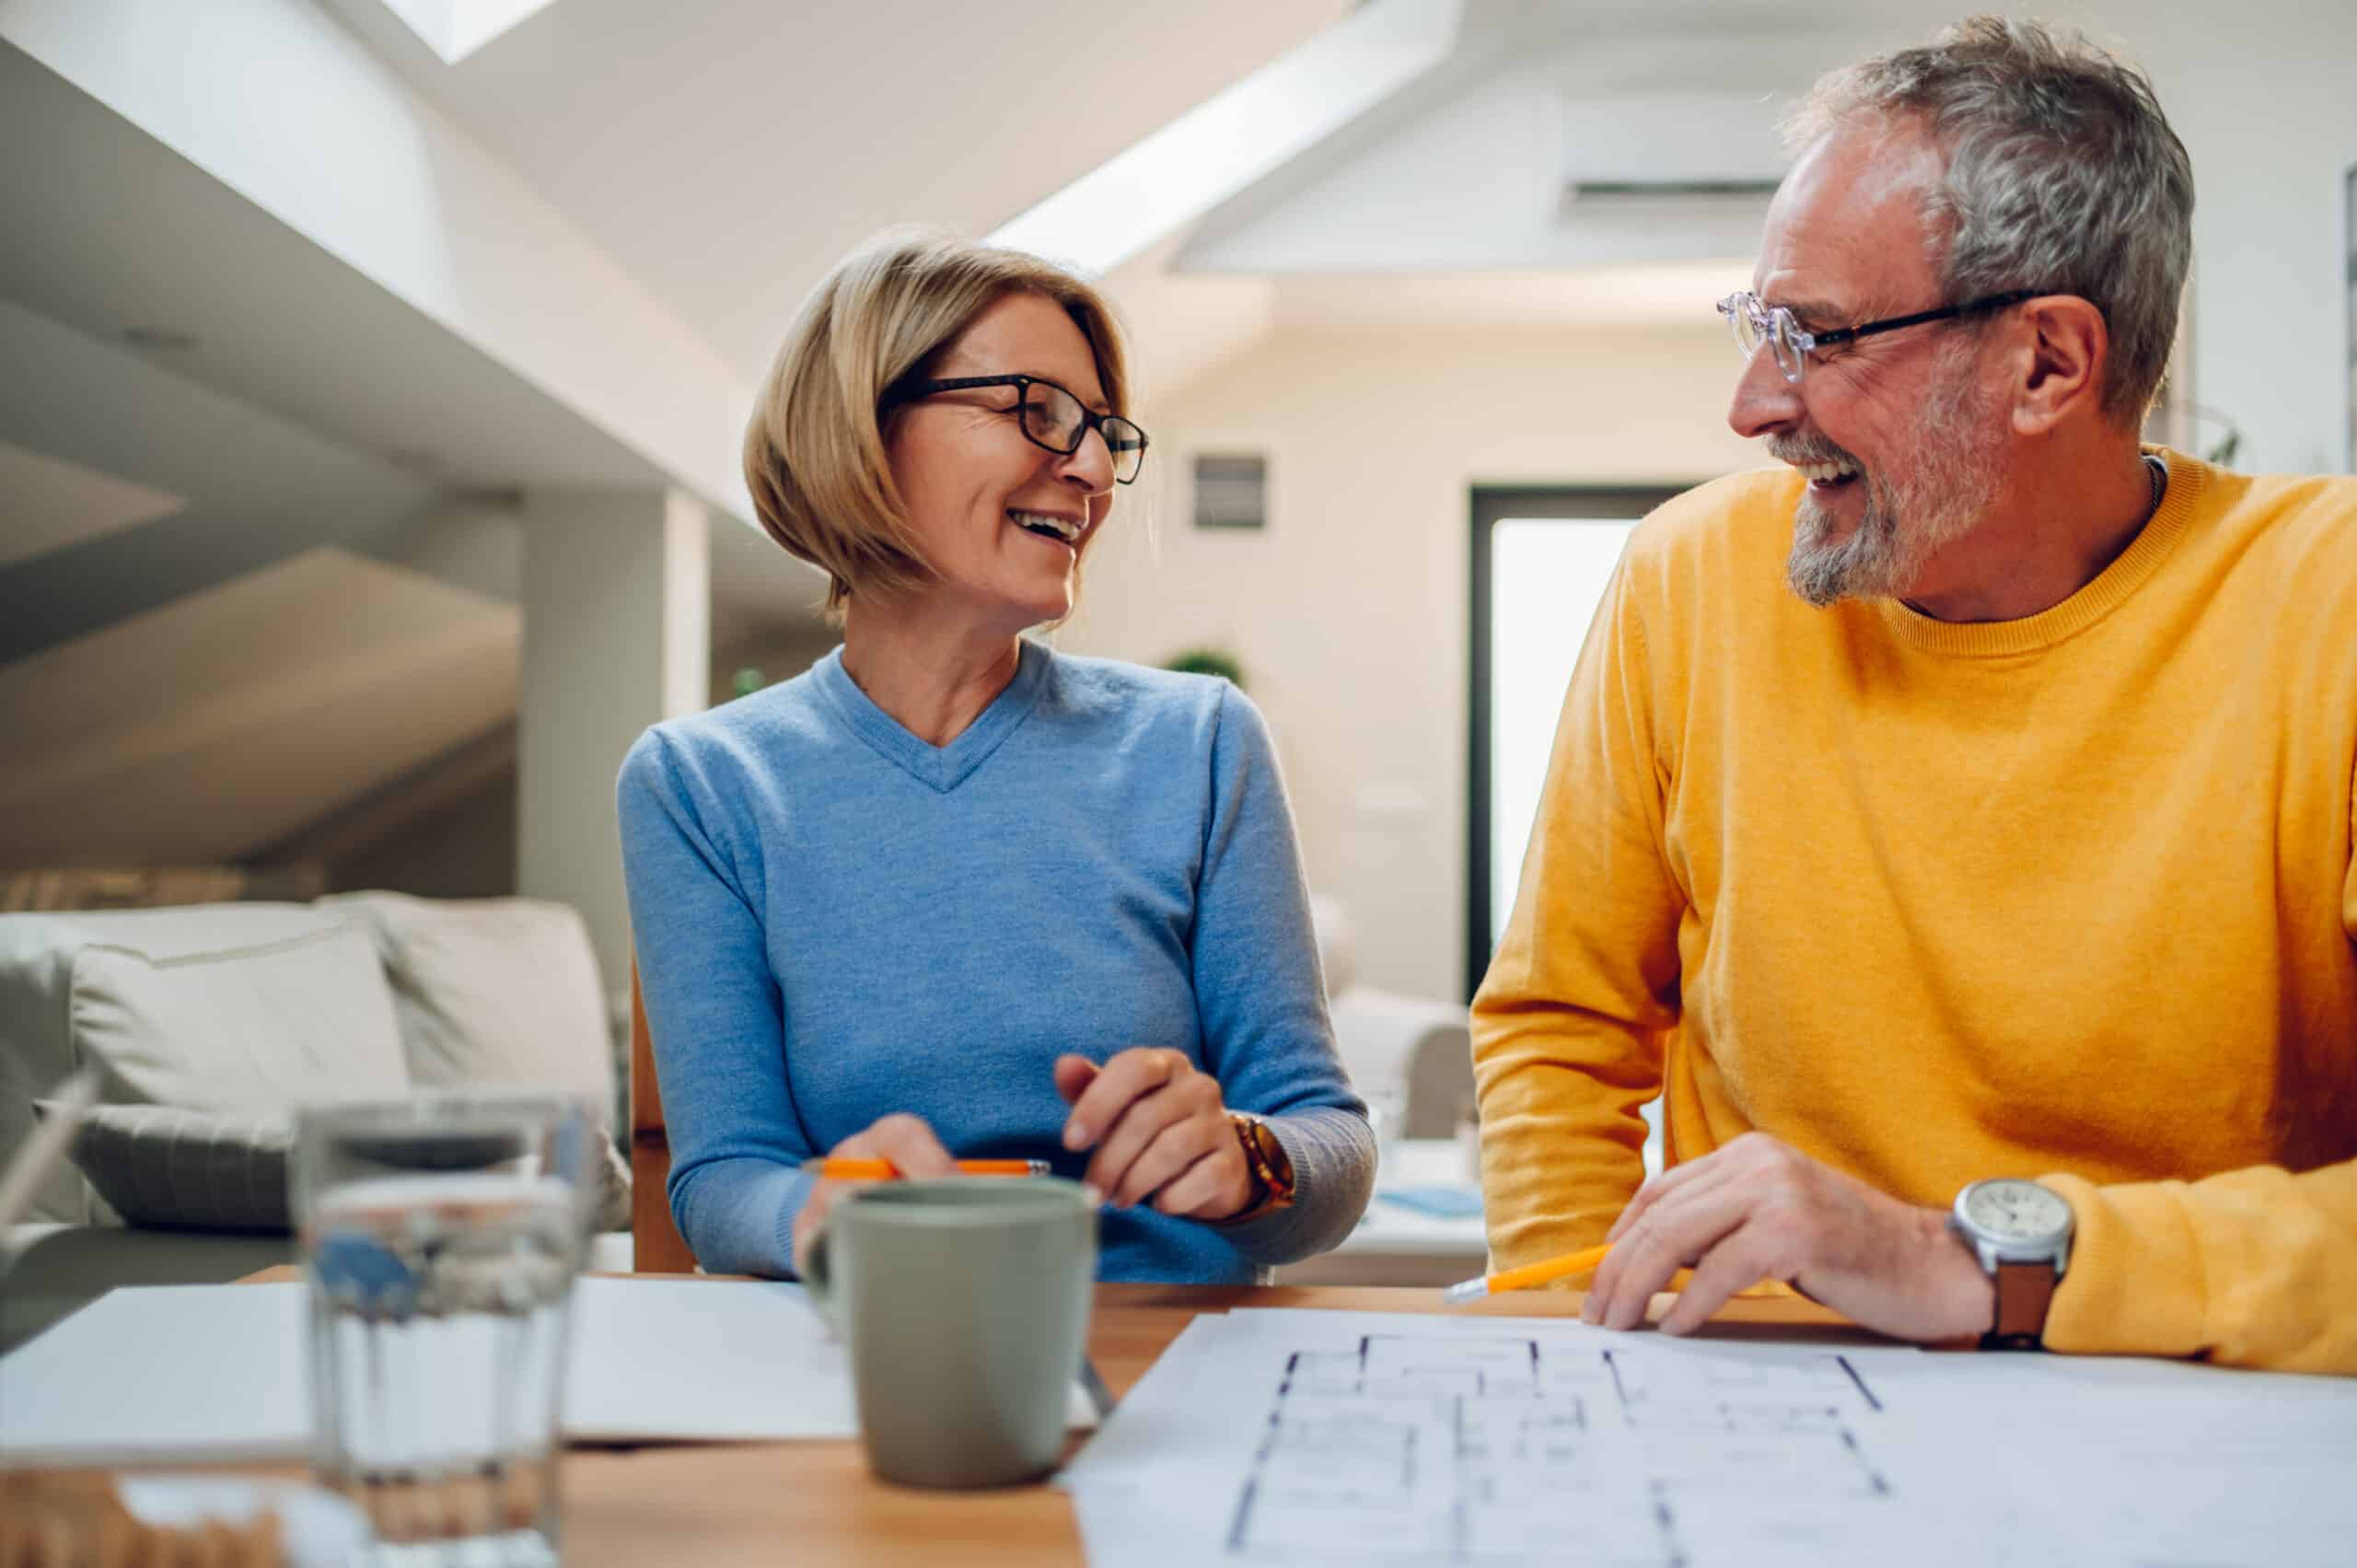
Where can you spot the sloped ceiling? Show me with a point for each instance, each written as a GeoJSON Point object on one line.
{"type": "Point", "coordinates": [109, 231]}
{"type": "Point", "coordinates": [1473, 172]}
{"type": "Point", "coordinates": [52, 503]}
{"type": "Point", "coordinates": [222, 721]}
{"type": "Point", "coordinates": [727, 151]}
{"type": "Point", "coordinates": [216, 642]}
{"type": "Point", "coordinates": [250, 486]}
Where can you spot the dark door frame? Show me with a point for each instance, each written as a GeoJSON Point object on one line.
{"type": "Point", "coordinates": [1492, 504]}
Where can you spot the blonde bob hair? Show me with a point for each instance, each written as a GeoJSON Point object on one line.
{"type": "Point", "coordinates": [814, 453]}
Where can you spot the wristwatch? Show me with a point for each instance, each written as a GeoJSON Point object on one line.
{"type": "Point", "coordinates": [1271, 1167]}
{"type": "Point", "coordinates": [2021, 1232]}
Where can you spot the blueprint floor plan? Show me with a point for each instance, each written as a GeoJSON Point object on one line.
{"type": "Point", "coordinates": [1472, 1448]}
{"type": "Point", "coordinates": [1349, 1437]}
{"type": "Point", "coordinates": [1309, 1438]}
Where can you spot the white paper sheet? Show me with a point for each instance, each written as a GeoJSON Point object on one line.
{"type": "Point", "coordinates": [1320, 1437]}
{"type": "Point", "coordinates": [156, 1374]}
{"type": "Point", "coordinates": [2153, 1463]}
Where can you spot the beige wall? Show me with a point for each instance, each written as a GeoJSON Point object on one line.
{"type": "Point", "coordinates": [1350, 612]}
{"type": "Point", "coordinates": [779, 652]}
{"type": "Point", "coordinates": [464, 849]}
{"type": "Point", "coordinates": [616, 596]}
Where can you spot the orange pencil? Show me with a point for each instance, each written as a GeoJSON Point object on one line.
{"type": "Point", "coordinates": [1529, 1274]}
{"type": "Point", "coordinates": [1580, 1263]}
{"type": "Point", "coordinates": [850, 1170]}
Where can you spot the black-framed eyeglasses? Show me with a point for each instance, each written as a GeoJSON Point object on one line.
{"type": "Point", "coordinates": [1051, 417]}
{"type": "Point", "coordinates": [1755, 321]}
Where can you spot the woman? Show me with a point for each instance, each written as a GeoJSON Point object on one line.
{"type": "Point", "coordinates": [950, 894]}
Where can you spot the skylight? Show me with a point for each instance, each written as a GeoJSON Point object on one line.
{"type": "Point", "coordinates": [1222, 145]}
{"type": "Point", "coordinates": [456, 28]}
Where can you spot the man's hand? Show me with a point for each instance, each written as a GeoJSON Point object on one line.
{"type": "Point", "coordinates": [1160, 1133]}
{"type": "Point", "coordinates": [907, 1141]}
{"type": "Point", "coordinates": [1760, 1210]}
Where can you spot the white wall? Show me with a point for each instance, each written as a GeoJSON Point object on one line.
{"type": "Point", "coordinates": [616, 637]}
{"type": "Point", "coordinates": [1350, 611]}
{"type": "Point", "coordinates": [2267, 106]}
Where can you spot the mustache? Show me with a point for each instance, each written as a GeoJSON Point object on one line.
{"type": "Point", "coordinates": [1808, 450]}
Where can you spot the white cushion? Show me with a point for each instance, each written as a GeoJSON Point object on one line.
{"type": "Point", "coordinates": [492, 993]}
{"type": "Point", "coordinates": [38, 957]}
{"type": "Point", "coordinates": [302, 1019]}
{"type": "Point", "coordinates": [1412, 1059]}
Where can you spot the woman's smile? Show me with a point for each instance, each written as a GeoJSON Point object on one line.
{"type": "Point", "coordinates": [1055, 527]}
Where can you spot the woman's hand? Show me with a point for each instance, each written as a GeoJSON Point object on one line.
{"type": "Point", "coordinates": [1160, 1131]}
{"type": "Point", "coordinates": [903, 1139]}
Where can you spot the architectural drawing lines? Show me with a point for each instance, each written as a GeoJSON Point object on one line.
{"type": "Point", "coordinates": [1613, 1367]}
{"type": "Point", "coordinates": [1470, 1449]}
{"type": "Point", "coordinates": [1873, 1477]}
{"type": "Point", "coordinates": [1667, 1519]}
{"type": "Point", "coordinates": [1864, 1392]}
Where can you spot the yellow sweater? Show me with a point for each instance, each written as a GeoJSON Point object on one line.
{"type": "Point", "coordinates": [2069, 897]}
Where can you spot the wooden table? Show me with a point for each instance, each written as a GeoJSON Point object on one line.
{"type": "Point", "coordinates": [816, 1503]}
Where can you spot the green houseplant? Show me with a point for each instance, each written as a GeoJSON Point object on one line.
{"type": "Point", "coordinates": [1208, 660]}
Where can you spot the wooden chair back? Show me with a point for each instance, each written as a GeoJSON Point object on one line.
{"type": "Point", "coordinates": [655, 1241]}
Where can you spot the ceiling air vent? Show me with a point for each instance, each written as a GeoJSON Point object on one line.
{"type": "Point", "coordinates": [1231, 490]}
{"type": "Point", "coordinates": [1591, 191]}
{"type": "Point", "coordinates": [1678, 161]}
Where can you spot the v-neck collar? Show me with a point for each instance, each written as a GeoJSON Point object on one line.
{"type": "Point", "coordinates": [941, 768]}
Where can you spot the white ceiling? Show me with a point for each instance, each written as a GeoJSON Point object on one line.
{"type": "Point", "coordinates": [1670, 293]}
{"type": "Point", "coordinates": [52, 503]}
{"type": "Point", "coordinates": [726, 152]}
{"type": "Point", "coordinates": [1470, 172]}
{"type": "Point", "coordinates": [108, 231]}
{"type": "Point", "coordinates": [722, 152]}
{"type": "Point", "coordinates": [233, 717]}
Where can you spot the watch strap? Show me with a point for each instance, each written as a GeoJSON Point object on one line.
{"type": "Point", "coordinates": [2025, 1291]}
{"type": "Point", "coordinates": [1265, 1161]}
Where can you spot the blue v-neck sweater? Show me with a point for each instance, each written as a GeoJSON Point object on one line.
{"type": "Point", "coordinates": [835, 920]}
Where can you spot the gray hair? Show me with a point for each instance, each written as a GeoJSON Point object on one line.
{"type": "Point", "coordinates": [2062, 176]}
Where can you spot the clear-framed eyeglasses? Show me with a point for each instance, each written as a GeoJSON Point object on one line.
{"type": "Point", "coordinates": [1050, 416]}
{"type": "Point", "coordinates": [1755, 321]}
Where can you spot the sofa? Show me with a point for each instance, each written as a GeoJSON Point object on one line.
{"type": "Point", "coordinates": [1411, 1057]}
{"type": "Point", "coordinates": [209, 1023]}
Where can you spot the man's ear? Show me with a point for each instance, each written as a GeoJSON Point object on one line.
{"type": "Point", "coordinates": [2063, 363]}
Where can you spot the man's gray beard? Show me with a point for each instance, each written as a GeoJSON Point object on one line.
{"type": "Point", "coordinates": [1903, 524]}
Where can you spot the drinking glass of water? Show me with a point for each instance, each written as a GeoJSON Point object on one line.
{"type": "Point", "coordinates": [441, 1236]}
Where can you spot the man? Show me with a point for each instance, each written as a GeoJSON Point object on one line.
{"type": "Point", "coordinates": [2008, 837]}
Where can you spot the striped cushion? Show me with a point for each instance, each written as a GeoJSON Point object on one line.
{"type": "Point", "coordinates": [169, 1166]}
{"type": "Point", "coordinates": [166, 1164]}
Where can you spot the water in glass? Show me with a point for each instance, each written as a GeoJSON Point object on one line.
{"type": "Point", "coordinates": [441, 1263]}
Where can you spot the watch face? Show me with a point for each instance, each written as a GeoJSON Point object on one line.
{"type": "Point", "coordinates": [2013, 1210]}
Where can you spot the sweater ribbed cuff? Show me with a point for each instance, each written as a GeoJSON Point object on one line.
{"type": "Point", "coordinates": [1332, 1152]}
{"type": "Point", "coordinates": [2134, 1284]}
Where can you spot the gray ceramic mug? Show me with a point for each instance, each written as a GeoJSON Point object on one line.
{"type": "Point", "coordinates": [965, 1307]}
